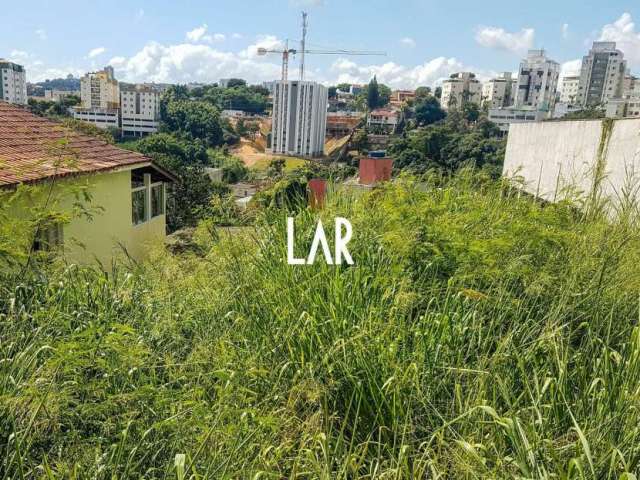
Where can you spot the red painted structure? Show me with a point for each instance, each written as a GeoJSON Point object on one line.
{"type": "Point", "coordinates": [317, 192]}
{"type": "Point", "coordinates": [375, 170]}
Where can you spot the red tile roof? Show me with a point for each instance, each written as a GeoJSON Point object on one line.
{"type": "Point", "coordinates": [33, 148]}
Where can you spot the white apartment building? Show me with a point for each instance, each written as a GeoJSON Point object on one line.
{"type": "Point", "coordinates": [498, 92]}
{"type": "Point", "coordinates": [13, 82]}
{"type": "Point", "coordinates": [601, 75]}
{"type": "Point", "coordinates": [299, 118]}
{"type": "Point", "coordinates": [537, 82]}
{"type": "Point", "coordinates": [460, 88]}
{"type": "Point", "coordinates": [100, 117]}
{"type": "Point", "coordinates": [139, 109]}
{"type": "Point", "coordinates": [569, 89]}
{"type": "Point", "coordinates": [99, 89]}
{"type": "Point", "coordinates": [100, 99]}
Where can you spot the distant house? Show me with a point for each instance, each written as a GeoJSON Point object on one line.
{"type": "Point", "coordinates": [113, 199]}
{"type": "Point", "coordinates": [400, 97]}
{"type": "Point", "coordinates": [383, 119]}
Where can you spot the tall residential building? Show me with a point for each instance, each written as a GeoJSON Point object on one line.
{"type": "Point", "coordinates": [13, 82]}
{"type": "Point", "coordinates": [100, 99]}
{"type": "Point", "coordinates": [299, 118]}
{"type": "Point", "coordinates": [460, 88]}
{"type": "Point", "coordinates": [602, 74]}
{"type": "Point", "coordinates": [99, 89]}
{"type": "Point", "coordinates": [139, 109]}
{"type": "Point", "coordinates": [630, 86]}
{"type": "Point", "coordinates": [498, 92]}
{"type": "Point", "coordinates": [537, 82]}
{"type": "Point", "coordinates": [569, 89]}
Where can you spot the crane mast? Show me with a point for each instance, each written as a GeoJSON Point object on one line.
{"type": "Point", "coordinates": [286, 52]}
{"type": "Point", "coordinates": [303, 44]}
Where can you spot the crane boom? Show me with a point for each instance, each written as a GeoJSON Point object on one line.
{"type": "Point", "coordinates": [286, 52]}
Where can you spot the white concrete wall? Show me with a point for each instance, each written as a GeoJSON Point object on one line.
{"type": "Point", "coordinates": [557, 160]}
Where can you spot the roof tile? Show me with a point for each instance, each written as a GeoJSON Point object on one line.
{"type": "Point", "coordinates": [33, 148]}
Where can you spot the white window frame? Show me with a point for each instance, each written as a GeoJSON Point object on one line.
{"type": "Point", "coordinates": [147, 188]}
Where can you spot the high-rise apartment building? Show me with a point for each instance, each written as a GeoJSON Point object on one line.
{"type": "Point", "coordinates": [537, 82]}
{"type": "Point", "coordinates": [602, 74]}
{"type": "Point", "coordinates": [498, 92]}
{"type": "Point", "coordinates": [100, 99]}
{"type": "Point", "coordinates": [460, 88]}
{"type": "Point", "coordinates": [99, 89]}
{"type": "Point", "coordinates": [299, 118]}
{"type": "Point", "coordinates": [569, 89]}
{"type": "Point", "coordinates": [139, 108]}
{"type": "Point", "coordinates": [13, 82]}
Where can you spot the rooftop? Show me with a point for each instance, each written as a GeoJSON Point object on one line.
{"type": "Point", "coordinates": [33, 148]}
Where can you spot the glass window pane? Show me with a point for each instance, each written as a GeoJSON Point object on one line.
{"type": "Point", "coordinates": [138, 206]}
{"type": "Point", "coordinates": [157, 200]}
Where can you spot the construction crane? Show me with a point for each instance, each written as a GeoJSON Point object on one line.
{"type": "Point", "coordinates": [286, 52]}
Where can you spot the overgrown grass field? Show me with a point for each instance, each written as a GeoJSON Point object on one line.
{"type": "Point", "coordinates": [480, 334]}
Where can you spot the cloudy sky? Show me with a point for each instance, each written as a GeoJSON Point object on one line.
{"type": "Point", "coordinates": [205, 40]}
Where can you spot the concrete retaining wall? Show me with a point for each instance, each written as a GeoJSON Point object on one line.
{"type": "Point", "coordinates": [558, 160]}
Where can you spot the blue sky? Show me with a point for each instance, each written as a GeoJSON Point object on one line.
{"type": "Point", "coordinates": [204, 40]}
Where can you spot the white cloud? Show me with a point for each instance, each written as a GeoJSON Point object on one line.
{"type": "Point", "coordinates": [117, 62]}
{"type": "Point", "coordinates": [41, 34]}
{"type": "Point", "coordinates": [571, 68]}
{"type": "Point", "coordinates": [189, 62]}
{"type": "Point", "coordinates": [500, 39]}
{"type": "Point", "coordinates": [236, 36]}
{"type": "Point", "coordinates": [268, 42]}
{"type": "Point", "coordinates": [430, 73]}
{"type": "Point", "coordinates": [197, 33]}
{"type": "Point", "coordinates": [18, 55]}
{"type": "Point", "coordinates": [408, 41]}
{"type": "Point", "coordinates": [200, 35]}
{"type": "Point", "coordinates": [565, 30]}
{"type": "Point", "coordinates": [94, 52]}
{"type": "Point", "coordinates": [627, 39]}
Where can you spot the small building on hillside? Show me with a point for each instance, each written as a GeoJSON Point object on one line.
{"type": "Point", "coordinates": [92, 200]}
{"type": "Point", "coordinates": [400, 97]}
{"type": "Point", "coordinates": [383, 120]}
{"type": "Point", "coordinates": [340, 124]}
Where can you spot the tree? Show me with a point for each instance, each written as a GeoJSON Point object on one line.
{"type": "Point", "coordinates": [470, 111]}
{"type": "Point", "coordinates": [422, 92]}
{"type": "Point", "coordinates": [373, 94]}
{"type": "Point", "coordinates": [428, 111]}
{"type": "Point", "coordinates": [188, 199]}
{"type": "Point", "coordinates": [333, 92]}
{"type": "Point", "coordinates": [198, 119]}
{"type": "Point", "coordinates": [236, 82]}
{"type": "Point", "coordinates": [276, 167]}
{"type": "Point", "coordinates": [438, 93]}
{"type": "Point", "coordinates": [344, 87]}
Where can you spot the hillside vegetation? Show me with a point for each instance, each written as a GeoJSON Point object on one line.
{"type": "Point", "coordinates": [479, 334]}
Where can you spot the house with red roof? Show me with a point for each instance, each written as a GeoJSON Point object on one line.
{"type": "Point", "coordinates": [78, 195]}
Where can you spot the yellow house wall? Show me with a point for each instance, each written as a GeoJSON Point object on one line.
{"type": "Point", "coordinates": [109, 232]}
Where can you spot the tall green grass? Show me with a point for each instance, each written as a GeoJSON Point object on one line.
{"type": "Point", "coordinates": [480, 334]}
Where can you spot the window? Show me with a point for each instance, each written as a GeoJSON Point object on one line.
{"type": "Point", "coordinates": [48, 237]}
{"type": "Point", "coordinates": [147, 195]}
{"type": "Point", "coordinates": [157, 200]}
{"type": "Point", "coordinates": [139, 205]}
